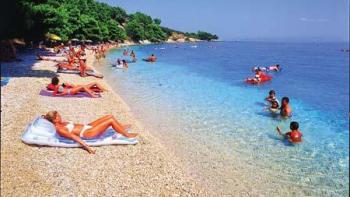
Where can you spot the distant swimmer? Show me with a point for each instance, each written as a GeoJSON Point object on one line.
{"type": "Point", "coordinates": [259, 68]}
{"type": "Point", "coordinates": [151, 58]}
{"type": "Point", "coordinates": [126, 52]}
{"type": "Point", "coordinates": [133, 56]}
{"type": "Point", "coordinates": [125, 64]}
{"type": "Point", "coordinates": [293, 136]}
{"type": "Point", "coordinates": [275, 68]}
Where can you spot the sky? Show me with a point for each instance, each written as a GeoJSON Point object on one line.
{"type": "Point", "coordinates": [280, 20]}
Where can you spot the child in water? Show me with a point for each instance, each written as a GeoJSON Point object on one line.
{"type": "Point", "coordinates": [293, 136]}
{"type": "Point", "coordinates": [272, 96]}
{"type": "Point", "coordinates": [274, 108]}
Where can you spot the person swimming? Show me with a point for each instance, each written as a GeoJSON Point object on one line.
{"type": "Point", "coordinates": [293, 136]}
{"type": "Point", "coordinates": [152, 58]}
{"type": "Point", "coordinates": [119, 62]}
{"type": "Point", "coordinates": [259, 68]}
{"type": "Point", "coordinates": [92, 130]}
{"type": "Point", "coordinates": [125, 64]}
{"type": "Point", "coordinates": [286, 110]}
{"type": "Point", "coordinates": [274, 68]}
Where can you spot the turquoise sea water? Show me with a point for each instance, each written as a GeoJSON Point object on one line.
{"type": "Point", "coordinates": [194, 99]}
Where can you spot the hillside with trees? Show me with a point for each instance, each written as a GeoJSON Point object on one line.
{"type": "Point", "coordinates": [83, 20]}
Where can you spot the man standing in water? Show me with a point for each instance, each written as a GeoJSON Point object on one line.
{"type": "Point", "coordinates": [286, 110]}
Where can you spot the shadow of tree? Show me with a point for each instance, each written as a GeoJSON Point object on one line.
{"type": "Point", "coordinates": [24, 67]}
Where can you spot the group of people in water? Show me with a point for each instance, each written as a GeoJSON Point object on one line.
{"type": "Point", "coordinates": [285, 111]}
{"type": "Point", "coordinates": [260, 73]}
{"type": "Point", "coordinates": [123, 61]}
{"type": "Point", "coordinates": [76, 59]}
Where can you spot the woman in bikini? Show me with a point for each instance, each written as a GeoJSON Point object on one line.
{"type": "Point", "coordinates": [67, 89]}
{"type": "Point", "coordinates": [94, 129]}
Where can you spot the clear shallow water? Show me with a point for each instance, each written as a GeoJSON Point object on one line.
{"type": "Point", "coordinates": [195, 99]}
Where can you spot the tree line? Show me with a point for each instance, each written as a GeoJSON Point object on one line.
{"type": "Point", "coordinates": [83, 20]}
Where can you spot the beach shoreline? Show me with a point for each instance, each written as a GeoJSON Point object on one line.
{"type": "Point", "coordinates": [145, 169]}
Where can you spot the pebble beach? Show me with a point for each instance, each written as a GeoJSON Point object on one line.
{"type": "Point", "coordinates": [144, 169]}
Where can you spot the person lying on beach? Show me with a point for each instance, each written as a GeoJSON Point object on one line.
{"type": "Point", "coordinates": [66, 66]}
{"type": "Point", "coordinates": [94, 86]}
{"type": "Point", "coordinates": [271, 97]}
{"type": "Point", "coordinates": [293, 136]}
{"type": "Point", "coordinates": [92, 89]}
{"type": "Point", "coordinates": [286, 110]}
{"type": "Point", "coordinates": [92, 130]}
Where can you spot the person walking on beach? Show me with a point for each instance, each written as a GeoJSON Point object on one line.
{"type": "Point", "coordinates": [286, 110]}
{"type": "Point", "coordinates": [293, 136]}
{"type": "Point", "coordinates": [92, 130]}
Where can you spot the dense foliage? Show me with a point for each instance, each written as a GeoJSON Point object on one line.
{"type": "Point", "coordinates": [202, 35]}
{"type": "Point", "coordinates": [81, 19]}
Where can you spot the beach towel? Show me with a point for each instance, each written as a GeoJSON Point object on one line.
{"type": "Point", "coordinates": [78, 95]}
{"type": "Point", "coordinates": [43, 133]}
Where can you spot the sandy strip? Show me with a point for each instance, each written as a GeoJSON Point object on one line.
{"type": "Point", "coordinates": [145, 169]}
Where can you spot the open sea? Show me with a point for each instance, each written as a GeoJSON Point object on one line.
{"type": "Point", "coordinates": [195, 100]}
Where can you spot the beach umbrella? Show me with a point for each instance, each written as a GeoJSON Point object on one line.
{"type": "Point", "coordinates": [53, 37]}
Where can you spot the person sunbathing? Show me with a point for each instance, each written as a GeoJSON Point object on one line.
{"type": "Point", "coordinates": [94, 86]}
{"type": "Point", "coordinates": [63, 89]}
{"type": "Point", "coordinates": [66, 66]}
{"type": "Point", "coordinates": [92, 130]}
{"type": "Point", "coordinates": [83, 68]}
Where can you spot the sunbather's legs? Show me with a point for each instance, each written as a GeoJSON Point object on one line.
{"type": "Point", "coordinates": [90, 85]}
{"type": "Point", "coordinates": [100, 128]}
{"type": "Point", "coordinates": [78, 89]}
{"type": "Point", "coordinates": [104, 118]}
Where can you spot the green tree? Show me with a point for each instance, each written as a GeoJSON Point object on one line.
{"type": "Point", "coordinates": [115, 32]}
{"type": "Point", "coordinates": [135, 30]}
{"type": "Point", "coordinates": [157, 21]}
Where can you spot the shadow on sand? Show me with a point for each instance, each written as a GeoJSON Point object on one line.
{"type": "Point", "coordinates": [23, 68]}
